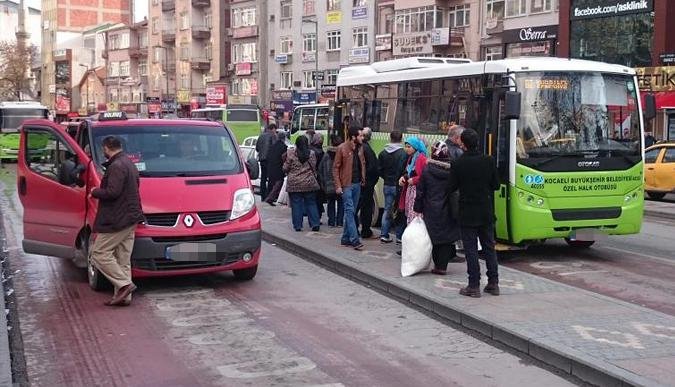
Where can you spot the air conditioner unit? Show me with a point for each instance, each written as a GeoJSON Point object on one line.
{"type": "Point", "coordinates": [271, 86]}
{"type": "Point", "coordinates": [230, 32]}
{"type": "Point", "coordinates": [272, 17]}
{"type": "Point", "coordinates": [230, 66]}
{"type": "Point", "coordinates": [272, 52]}
{"type": "Point", "coordinates": [297, 83]}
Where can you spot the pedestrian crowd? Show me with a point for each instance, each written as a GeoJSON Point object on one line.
{"type": "Point", "coordinates": [449, 186]}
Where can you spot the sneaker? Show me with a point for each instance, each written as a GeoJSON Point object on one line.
{"type": "Point", "coordinates": [492, 288]}
{"type": "Point", "coordinates": [385, 240]}
{"type": "Point", "coordinates": [358, 246]}
{"type": "Point", "coordinates": [470, 292]}
{"type": "Point", "coordinates": [315, 229]}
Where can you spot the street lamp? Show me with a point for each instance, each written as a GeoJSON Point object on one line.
{"type": "Point", "coordinates": [316, 56]}
{"type": "Point", "coordinates": [86, 80]}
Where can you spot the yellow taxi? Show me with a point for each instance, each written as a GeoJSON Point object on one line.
{"type": "Point", "coordinates": [660, 170]}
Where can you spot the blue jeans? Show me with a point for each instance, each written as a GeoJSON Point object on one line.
{"type": "Point", "coordinates": [350, 198]}
{"type": "Point", "coordinates": [335, 202]}
{"type": "Point", "coordinates": [301, 203]}
{"type": "Point", "coordinates": [389, 202]}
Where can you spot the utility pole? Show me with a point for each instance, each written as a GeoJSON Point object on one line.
{"type": "Point", "coordinates": [86, 80]}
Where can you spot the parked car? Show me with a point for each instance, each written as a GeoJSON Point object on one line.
{"type": "Point", "coordinates": [248, 152]}
{"type": "Point", "coordinates": [660, 170]}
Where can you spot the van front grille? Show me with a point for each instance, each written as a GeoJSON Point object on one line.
{"type": "Point", "coordinates": [213, 217]}
{"type": "Point", "coordinates": [162, 220]}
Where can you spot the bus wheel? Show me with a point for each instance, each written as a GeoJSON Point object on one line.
{"type": "Point", "coordinates": [656, 195]}
{"type": "Point", "coordinates": [245, 274]}
{"type": "Point", "coordinates": [96, 279]}
{"type": "Point", "coordinates": [579, 244]}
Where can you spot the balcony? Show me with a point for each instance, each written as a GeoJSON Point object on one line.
{"type": "Point", "coordinates": [168, 5]}
{"type": "Point", "coordinates": [201, 64]}
{"type": "Point", "coordinates": [135, 52]}
{"type": "Point", "coordinates": [201, 32]}
{"type": "Point", "coordinates": [201, 3]}
{"type": "Point", "coordinates": [170, 68]}
{"type": "Point", "coordinates": [169, 35]}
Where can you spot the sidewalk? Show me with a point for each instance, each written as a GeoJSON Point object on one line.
{"type": "Point", "coordinates": [5, 358]}
{"type": "Point", "coordinates": [601, 340]}
{"type": "Point", "coordinates": [660, 209]}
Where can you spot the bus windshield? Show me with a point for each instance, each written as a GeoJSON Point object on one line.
{"type": "Point", "coordinates": [213, 115]}
{"type": "Point", "coordinates": [242, 115]}
{"type": "Point", "coordinates": [577, 114]}
{"type": "Point", "coordinates": [168, 151]}
{"type": "Point", "coordinates": [12, 118]}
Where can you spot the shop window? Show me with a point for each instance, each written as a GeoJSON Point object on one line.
{"type": "Point", "coordinates": [493, 53]}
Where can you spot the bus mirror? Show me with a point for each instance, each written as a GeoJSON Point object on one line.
{"type": "Point", "coordinates": [512, 105]}
{"type": "Point", "coordinates": [649, 112]}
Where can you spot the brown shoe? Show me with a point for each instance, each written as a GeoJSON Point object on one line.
{"type": "Point", "coordinates": [492, 288]}
{"type": "Point", "coordinates": [470, 292]}
{"type": "Point", "coordinates": [122, 294]}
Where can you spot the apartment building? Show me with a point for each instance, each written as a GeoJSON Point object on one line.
{"type": "Point", "coordinates": [92, 89]}
{"type": "Point", "coordinates": [315, 37]}
{"type": "Point", "coordinates": [126, 80]}
{"type": "Point", "coordinates": [63, 49]}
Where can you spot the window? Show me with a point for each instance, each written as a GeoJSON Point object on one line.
{"type": "Point", "coordinates": [308, 7]}
{"type": "Point", "coordinates": [333, 38]}
{"type": "Point", "coordinates": [537, 6]}
{"type": "Point", "coordinates": [286, 45]}
{"type": "Point", "coordinates": [155, 25]}
{"type": "Point", "coordinates": [418, 19]}
{"type": "Point", "coordinates": [113, 94]}
{"type": "Point", "coordinates": [208, 20]}
{"type": "Point", "coordinates": [242, 17]}
{"type": "Point", "coordinates": [389, 23]}
{"type": "Point", "coordinates": [669, 156]}
{"type": "Point", "coordinates": [331, 76]}
{"type": "Point", "coordinates": [184, 51]}
{"type": "Point", "coordinates": [208, 51]}
{"type": "Point", "coordinates": [360, 3]}
{"type": "Point", "coordinates": [459, 16]}
{"type": "Point", "coordinates": [333, 5]}
{"type": "Point", "coordinates": [184, 21]}
{"type": "Point", "coordinates": [114, 69]}
{"type": "Point", "coordinates": [143, 67]}
{"type": "Point", "coordinates": [125, 70]}
{"type": "Point", "coordinates": [157, 54]}
{"type": "Point", "coordinates": [125, 96]}
{"type": "Point", "coordinates": [495, 9]}
{"type": "Point", "coordinates": [244, 53]}
{"type": "Point", "coordinates": [286, 9]}
{"type": "Point", "coordinates": [309, 42]}
{"type": "Point", "coordinates": [184, 81]}
{"type": "Point", "coordinates": [360, 35]}
{"type": "Point", "coordinates": [286, 79]}
{"type": "Point", "coordinates": [55, 155]}
{"type": "Point", "coordinates": [114, 42]}
{"type": "Point", "coordinates": [309, 79]}
{"type": "Point", "coordinates": [243, 86]}
{"type": "Point", "coordinates": [493, 53]}
{"type": "Point", "coordinates": [143, 39]}
{"type": "Point", "coordinates": [516, 7]}
{"type": "Point", "coordinates": [652, 155]}
{"type": "Point", "coordinates": [124, 40]}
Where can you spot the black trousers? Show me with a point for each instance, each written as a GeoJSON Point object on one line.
{"type": "Point", "coordinates": [366, 204]}
{"type": "Point", "coordinates": [486, 234]}
{"type": "Point", "coordinates": [263, 179]}
{"type": "Point", "coordinates": [442, 253]}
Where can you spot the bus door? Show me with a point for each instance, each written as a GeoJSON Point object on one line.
{"type": "Point", "coordinates": [499, 148]}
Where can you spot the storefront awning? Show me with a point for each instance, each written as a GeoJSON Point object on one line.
{"type": "Point", "coordinates": [664, 99]}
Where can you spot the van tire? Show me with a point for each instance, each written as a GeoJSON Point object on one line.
{"type": "Point", "coordinates": [579, 244]}
{"type": "Point", "coordinates": [96, 279]}
{"type": "Point", "coordinates": [245, 274]}
{"type": "Point", "coordinates": [656, 195]}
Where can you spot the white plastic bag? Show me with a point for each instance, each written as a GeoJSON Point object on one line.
{"type": "Point", "coordinates": [283, 195]}
{"type": "Point", "coordinates": [416, 252]}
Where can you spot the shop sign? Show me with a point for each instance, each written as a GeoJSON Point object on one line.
{"type": "Point", "coordinates": [606, 8]}
{"type": "Point", "coordinates": [128, 107]}
{"type": "Point", "coordinates": [515, 50]}
{"type": "Point", "coordinates": [440, 36]}
{"type": "Point", "coordinates": [254, 86]}
{"type": "Point", "coordinates": [286, 95]}
{"type": "Point", "coordinates": [112, 106]}
{"type": "Point", "coordinates": [656, 78]}
{"type": "Point", "coordinates": [154, 107]}
{"type": "Point", "coordinates": [305, 97]}
{"type": "Point", "coordinates": [183, 96]}
{"type": "Point", "coordinates": [334, 17]}
{"type": "Point", "coordinates": [414, 43]}
{"type": "Point", "coordinates": [308, 56]}
{"type": "Point", "coordinates": [383, 42]}
{"type": "Point", "coordinates": [215, 95]}
{"type": "Point", "coordinates": [60, 53]}
{"type": "Point", "coordinates": [194, 103]}
{"type": "Point", "coordinates": [359, 55]}
{"type": "Point", "coordinates": [245, 32]}
{"type": "Point", "coordinates": [667, 59]}
{"type": "Point", "coordinates": [283, 105]}
{"type": "Point", "coordinates": [281, 58]}
{"type": "Point", "coordinates": [169, 105]}
{"type": "Point", "coordinates": [244, 68]}
{"type": "Point", "coordinates": [52, 89]}
{"type": "Point", "coordinates": [360, 13]}
{"type": "Point", "coordinates": [530, 34]}
{"type": "Point", "coordinates": [62, 104]}
{"type": "Point", "coordinates": [328, 91]}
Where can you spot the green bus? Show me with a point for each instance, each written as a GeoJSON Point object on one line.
{"type": "Point", "coordinates": [566, 135]}
{"type": "Point", "coordinates": [12, 115]}
{"type": "Point", "coordinates": [244, 120]}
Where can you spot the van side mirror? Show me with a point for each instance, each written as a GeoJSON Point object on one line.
{"type": "Point", "coordinates": [253, 168]}
{"type": "Point", "coordinates": [649, 112]}
{"type": "Point", "coordinates": [512, 105]}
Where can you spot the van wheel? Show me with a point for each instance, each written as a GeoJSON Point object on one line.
{"type": "Point", "coordinates": [245, 274]}
{"type": "Point", "coordinates": [656, 195]}
{"type": "Point", "coordinates": [96, 279]}
{"type": "Point", "coordinates": [579, 244]}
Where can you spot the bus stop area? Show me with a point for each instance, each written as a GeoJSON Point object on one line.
{"type": "Point", "coordinates": [661, 209]}
{"type": "Point", "coordinates": [599, 339]}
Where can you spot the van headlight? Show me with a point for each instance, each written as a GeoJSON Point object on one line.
{"type": "Point", "coordinates": [242, 204]}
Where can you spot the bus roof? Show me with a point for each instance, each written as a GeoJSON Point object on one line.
{"type": "Point", "coordinates": [425, 68]}
{"type": "Point", "coordinates": [22, 104]}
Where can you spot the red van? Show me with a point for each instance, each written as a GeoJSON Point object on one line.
{"type": "Point", "coordinates": [195, 191]}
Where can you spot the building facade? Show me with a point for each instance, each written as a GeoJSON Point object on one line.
{"type": "Point", "coordinates": [93, 94]}
{"type": "Point", "coordinates": [62, 27]}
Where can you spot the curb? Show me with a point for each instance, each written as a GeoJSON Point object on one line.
{"type": "Point", "coordinates": [659, 214]}
{"type": "Point", "coordinates": [5, 353]}
{"type": "Point", "coordinates": [576, 364]}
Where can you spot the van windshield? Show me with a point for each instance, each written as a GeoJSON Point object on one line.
{"type": "Point", "coordinates": [242, 115]}
{"type": "Point", "coordinates": [167, 151]}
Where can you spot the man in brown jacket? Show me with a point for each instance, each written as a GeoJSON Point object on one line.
{"type": "Point", "coordinates": [119, 211]}
{"type": "Point", "coordinates": [349, 173]}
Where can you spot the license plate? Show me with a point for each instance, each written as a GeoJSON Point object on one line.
{"type": "Point", "coordinates": [191, 252]}
{"type": "Point", "coordinates": [587, 234]}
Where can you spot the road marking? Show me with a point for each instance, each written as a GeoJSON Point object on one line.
{"type": "Point", "coordinates": [648, 329]}
{"type": "Point", "coordinates": [188, 305]}
{"type": "Point", "coordinates": [267, 368]}
{"type": "Point", "coordinates": [545, 266]}
{"type": "Point", "coordinates": [581, 272]}
{"type": "Point", "coordinates": [664, 260]}
{"type": "Point", "coordinates": [631, 341]}
{"type": "Point", "coordinates": [241, 339]}
{"type": "Point", "coordinates": [208, 319]}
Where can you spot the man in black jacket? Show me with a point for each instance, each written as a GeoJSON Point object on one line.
{"type": "Point", "coordinates": [475, 175]}
{"type": "Point", "coordinates": [366, 201]}
{"type": "Point", "coordinates": [262, 147]}
{"type": "Point", "coordinates": [119, 211]}
{"type": "Point", "coordinates": [391, 162]}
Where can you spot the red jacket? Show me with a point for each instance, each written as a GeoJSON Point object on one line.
{"type": "Point", "coordinates": [420, 163]}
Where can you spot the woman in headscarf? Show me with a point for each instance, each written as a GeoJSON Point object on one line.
{"type": "Point", "coordinates": [417, 160]}
{"type": "Point", "coordinates": [275, 163]}
{"type": "Point", "coordinates": [302, 184]}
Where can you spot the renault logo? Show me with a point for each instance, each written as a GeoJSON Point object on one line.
{"type": "Point", "coordinates": [188, 220]}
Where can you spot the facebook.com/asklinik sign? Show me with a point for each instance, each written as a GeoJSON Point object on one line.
{"type": "Point", "coordinates": [586, 9]}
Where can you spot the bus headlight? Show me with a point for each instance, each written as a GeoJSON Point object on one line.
{"type": "Point", "coordinates": [531, 199]}
{"type": "Point", "coordinates": [243, 203]}
{"type": "Point", "coordinates": [540, 202]}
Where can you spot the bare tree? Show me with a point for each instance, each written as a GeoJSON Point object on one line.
{"type": "Point", "coordinates": [15, 62]}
